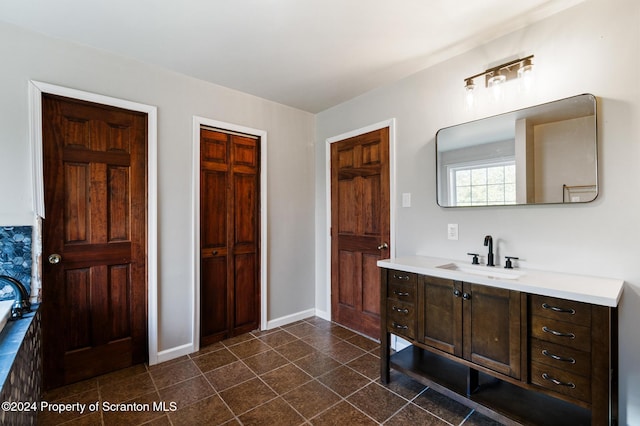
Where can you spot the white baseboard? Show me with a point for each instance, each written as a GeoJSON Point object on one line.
{"type": "Point", "coordinates": [178, 351]}
{"type": "Point", "coordinates": [288, 319]}
{"type": "Point", "coordinates": [323, 314]}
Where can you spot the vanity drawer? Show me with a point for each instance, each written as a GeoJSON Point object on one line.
{"type": "Point", "coordinates": [401, 311]}
{"type": "Point", "coordinates": [402, 292]}
{"type": "Point", "coordinates": [402, 325]}
{"type": "Point", "coordinates": [561, 381]}
{"type": "Point", "coordinates": [558, 356]}
{"type": "Point", "coordinates": [561, 309]}
{"type": "Point", "coordinates": [401, 277]}
{"type": "Point", "coordinates": [561, 333]}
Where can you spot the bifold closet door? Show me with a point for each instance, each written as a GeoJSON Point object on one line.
{"type": "Point", "coordinates": [229, 234]}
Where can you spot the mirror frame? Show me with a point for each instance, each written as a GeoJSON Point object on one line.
{"type": "Point", "coordinates": [574, 107]}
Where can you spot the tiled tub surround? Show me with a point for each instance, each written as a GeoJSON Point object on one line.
{"type": "Point", "coordinates": [20, 368]}
{"type": "Point", "coordinates": [15, 257]}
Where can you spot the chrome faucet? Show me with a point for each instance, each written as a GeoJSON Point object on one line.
{"type": "Point", "coordinates": [21, 303]}
{"type": "Point", "coordinates": [488, 241]}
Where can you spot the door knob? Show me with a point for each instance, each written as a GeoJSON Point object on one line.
{"type": "Point", "coordinates": [54, 258]}
{"type": "Point", "coordinates": [383, 246]}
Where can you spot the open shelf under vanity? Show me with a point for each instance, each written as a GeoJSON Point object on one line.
{"type": "Point", "coordinates": [502, 401]}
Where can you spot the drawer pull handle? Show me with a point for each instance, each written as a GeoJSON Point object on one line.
{"type": "Point", "coordinates": [399, 326]}
{"type": "Point", "coordinates": [557, 357]}
{"type": "Point", "coordinates": [556, 309]}
{"type": "Point", "coordinates": [401, 277]}
{"type": "Point", "coordinates": [401, 310]}
{"type": "Point", "coordinates": [400, 293]}
{"type": "Point", "coordinates": [557, 382]}
{"type": "Point", "coordinates": [558, 333]}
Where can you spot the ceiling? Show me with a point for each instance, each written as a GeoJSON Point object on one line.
{"type": "Point", "coordinates": [308, 54]}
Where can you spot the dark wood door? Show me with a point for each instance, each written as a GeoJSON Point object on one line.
{"type": "Point", "coordinates": [359, 228]}
{"type": "Point", "coordinates": [492, 335]}
{"type": "Point", "coordinates": [229, 235]}
{"type": "Point", "coordinates": [440, 324]}
{"type": "Point", "coordinates": [94, 239]}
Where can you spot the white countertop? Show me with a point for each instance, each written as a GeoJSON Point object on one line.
{"type": "Point", "coordinates": [581, 288]}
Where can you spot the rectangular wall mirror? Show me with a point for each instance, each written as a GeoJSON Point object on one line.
{"type": "Point", "coordinates": [544, 154]}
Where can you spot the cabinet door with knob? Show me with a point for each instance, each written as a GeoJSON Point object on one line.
{"type": "Point", "coordinates": [478, 323]}
{"type": "Point", "coordinates": [440, 324]}
{"type": "Point", "coordinates": [492, 332]}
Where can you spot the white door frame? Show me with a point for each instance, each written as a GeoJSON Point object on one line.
{"type": "Point", "coordinates": [36, 89]}
{"type": "Point", "coordinates": [391, 124]}
{"type": "Point", "coordinates": [198, 122]}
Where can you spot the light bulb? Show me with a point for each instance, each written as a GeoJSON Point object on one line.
{"type": "Point", "coordinates": [496, 79]}
{"type": "Point", "coordinates": [469, 99]}
{"type": "Point", "coordinates": [525, 75]}
{"type": "Point", "coordinates": [468, 88]}
{"type": "Point", "coordinates": [526, 67]}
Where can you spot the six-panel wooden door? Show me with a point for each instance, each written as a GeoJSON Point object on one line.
{"type": "Point", "coordinates": [359, 228]}
{"type": "Point", "coordinates": [94, 239]}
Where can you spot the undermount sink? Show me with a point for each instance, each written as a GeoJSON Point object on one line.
{"type": "Point", "coordinates": [484, 271]}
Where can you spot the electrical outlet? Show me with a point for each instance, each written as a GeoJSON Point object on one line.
{"type": "Point", "coordinates": [452, 231]}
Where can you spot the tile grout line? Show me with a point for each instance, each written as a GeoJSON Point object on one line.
{"type": "Point", "coordinates": [289, 362]}
{"type": "Point", "coordinates": [258, 376]}
{"type": "Point", "coordinates": [155, 386]}
{"type": "Point", "coordinates": [467, 418]}
{"type": "Point", "coordinates": [408, 401]}
{"type": "Point", "coordinates": [292, 362]}
{"type": "Point", "coordinates": [216, 393]}
{"type": "Point", "coordinates": [341, 364]}
{"type": "Point", "coordinates": [337, 334]}
{"type": "Point", "coordinates": [342, 398]}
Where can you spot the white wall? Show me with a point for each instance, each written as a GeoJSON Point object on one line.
{"type": "Point", "coordinates": [593, 48]}
{"type": "Point", "coordinates": [27, 55]}
{"type": "Point", "coordinates": [563, 154]}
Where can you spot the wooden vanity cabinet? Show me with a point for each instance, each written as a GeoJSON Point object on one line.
{"type": "Point", "coordinates": [477, 323]}
{"type": "Point", "coordinates": [555, 360]}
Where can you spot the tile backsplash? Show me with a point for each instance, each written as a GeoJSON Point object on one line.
{"type": "Point", "coordinates": [15, 257]}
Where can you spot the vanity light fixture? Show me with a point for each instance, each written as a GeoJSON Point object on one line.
{"type": "Point", "coordinates": [495, 76]}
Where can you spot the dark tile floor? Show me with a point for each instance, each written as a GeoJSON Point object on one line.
{"type": "Point", "coordinates": [312, 372]}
